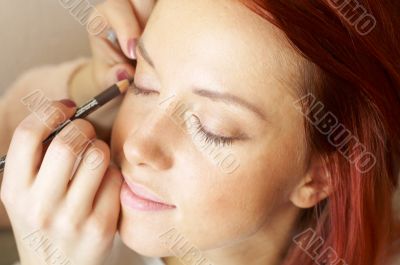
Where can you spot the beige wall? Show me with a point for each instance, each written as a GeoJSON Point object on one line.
{"type": "Point", "coordinates": [37, 32]}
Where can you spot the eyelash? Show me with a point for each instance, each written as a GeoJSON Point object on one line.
{"type": "Point", "coordinates": [139, 91]}
{"type": "Point", "coordinates": [209, 137]}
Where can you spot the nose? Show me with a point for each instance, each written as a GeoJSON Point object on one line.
{"type": "Point", "coordinates": [152, 141]}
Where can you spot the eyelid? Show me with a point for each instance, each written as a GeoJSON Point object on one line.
{"type": "Point", "coordinates": [141, 90]}
{"type": "Point", "coordinates": [240, 137]}
{"type": "Point", "coordinates": [211, 137]}
{"type": "Point", "coordinates": [143, 79]}
{"type": "Point", "coordinates": [143, 83]}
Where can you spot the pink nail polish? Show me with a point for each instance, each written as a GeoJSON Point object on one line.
{"type": "Point", "coordinates": [122, 75]}
{"type": "Point", "coordinates": [69, 103]}
{"type": "Point", "coordinates": [131, 48]}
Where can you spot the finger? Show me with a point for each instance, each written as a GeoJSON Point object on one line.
{"type": "Point", "coordinates": [102, 49]}
{"type": "Point", "coordinates": [106, 75]}
{"type": "Point", "coordinates": [143, 10]}
{"type": "Point", "coordinates": [119, 72]}
{"type": "Point", "coordinates": [26, 148]}
{"type": "Point", "coordinates": [122, 18]}
{"type": "Point", "coordinates": [83, 188]}
{"type": "Point", "coordinates": [59, 161]}
{"type": "Point", "coordinates": [107, 202]}
{"type": "Point", "coordinates": [105, 52]}
{"type": "Point", "coordinates": [106, 56]}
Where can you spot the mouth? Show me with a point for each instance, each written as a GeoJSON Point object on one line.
{"type": "Point", "coordinates": [139, 197]}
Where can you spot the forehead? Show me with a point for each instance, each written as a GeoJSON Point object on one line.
{"type": "Point", "coordinates": [221, 43]}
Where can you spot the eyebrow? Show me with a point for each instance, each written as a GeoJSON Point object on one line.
{"type": "Point", "coordinates": [229, 98]}
{"type": "Point", "coordinates": [216, 96]}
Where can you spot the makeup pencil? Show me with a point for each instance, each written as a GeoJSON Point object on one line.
{"type": "Point", "coordinates": [83, 111]}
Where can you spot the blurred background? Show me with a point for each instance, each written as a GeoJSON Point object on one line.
{"type": "Point", "coordinates": [35, 33]}
{"type": "Point", "coordinates": [38, 32]}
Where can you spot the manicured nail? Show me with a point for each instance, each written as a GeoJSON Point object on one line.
{"type": "Point", "coordinates": [122, 75]}
{"type": "Point", "coordinates": [69, 103]}
{"type": "Point", "coordinates": [131, 48]}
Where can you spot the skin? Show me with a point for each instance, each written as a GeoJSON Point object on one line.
{"type": "Point", "coordinates": [232, 216]}
{"type": "Point", "coordinates": [223, 47]}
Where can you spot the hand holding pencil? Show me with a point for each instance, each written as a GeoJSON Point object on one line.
{"type": "Point", "coordinates": [83, 111]}
{"type": "Point", "coordinates": [51, 195]}
{"type": "Point", "coordinates": [50, 192]}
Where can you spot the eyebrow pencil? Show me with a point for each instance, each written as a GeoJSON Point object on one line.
{"type": "Point", "coordinates": [86, 109]}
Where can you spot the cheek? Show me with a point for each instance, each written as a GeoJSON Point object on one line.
{"type": "Point", "coordinates": [121, 127]}
{"type": "Point", "coordinates": [224, 208]}
{"type": "Point", "coordinates": [229, 207]}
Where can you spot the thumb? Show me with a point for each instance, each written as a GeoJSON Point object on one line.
{"type": "Point", "coordinates": [120, 72]}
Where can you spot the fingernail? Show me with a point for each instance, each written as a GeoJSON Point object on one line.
{"type": "Point", "coordinates": [131, 48]}
{"type": "Point", "coordinates": [122, 75]}
{"type": "Point", "coordinates": [69, 103]}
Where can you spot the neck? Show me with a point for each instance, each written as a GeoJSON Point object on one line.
{"type": "Point", "coordinates": [266, 246]}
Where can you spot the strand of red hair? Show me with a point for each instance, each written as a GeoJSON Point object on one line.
{"type": "Point", "coordinates": [360, 76]}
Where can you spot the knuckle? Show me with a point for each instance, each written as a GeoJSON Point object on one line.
{"type": "Point", "coordinates": [13, 200]}
{"type": "Point", "coordinates": [101, 146]}
{"type": "Point", "coordinates": [55, 118]}
{"type": "Point", "coordinates": [85, 127]}
{"type": "Point", "coordinates": [72, 211]}
{"type": "Point", "coordinates": [97, 154]}
{"type": "Point", "coordinates": [25, 131]}
{"type": "Point", "coordinates": [75, 137]}
{"type": "Point", "coordinates": [61, 147]}
{"type": "Point", "coordinates": [68, 224]}
{"type": "Point", "coordinates": [100, 227]}
{"type": "Point", "coordinates": [94, 159]}
{"type": "Point", "coordinates": [51, 114]}
{"type": "Point", "coordinates": [6, 197]}
{"type": "Point", "coordinates": [39, 217]}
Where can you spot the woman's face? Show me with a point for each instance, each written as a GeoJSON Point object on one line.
{"type": "Point", "coordinates": [215, 66]}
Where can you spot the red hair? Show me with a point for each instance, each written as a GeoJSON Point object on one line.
{"type": "Point", "coordinates": [355, 46]}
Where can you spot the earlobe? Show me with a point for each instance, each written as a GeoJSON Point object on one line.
{"type": "Point", "coordinates": [314, 187]}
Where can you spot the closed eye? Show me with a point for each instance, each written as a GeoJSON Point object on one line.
{"type": "Point", "coordinates": [217, 140]}
{"type": "Point", "coordinates": [142, 91]}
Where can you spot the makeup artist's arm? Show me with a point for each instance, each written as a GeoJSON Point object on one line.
{"type": "Point", "coordinates": [111, 63]}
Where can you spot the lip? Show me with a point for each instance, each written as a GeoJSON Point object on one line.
{"type": "Point", "coordinates": [140, 197]}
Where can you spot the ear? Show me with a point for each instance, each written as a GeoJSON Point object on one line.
{"type": "Point", "coordinates": [315, 185]}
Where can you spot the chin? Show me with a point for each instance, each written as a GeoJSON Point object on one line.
{"type": "Point", "coordinates": [143, 236]}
